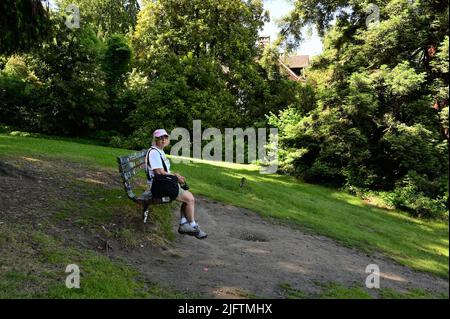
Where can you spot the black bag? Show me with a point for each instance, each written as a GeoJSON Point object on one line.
{"type": "Point", "coordinates": [163, 185]}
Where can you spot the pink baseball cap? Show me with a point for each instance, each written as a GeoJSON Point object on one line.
{"type": "Point", "coordinates": [160, 132]}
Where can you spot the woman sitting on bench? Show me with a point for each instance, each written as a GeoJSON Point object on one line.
{"type": "Point", "coordinates": [158, 164]}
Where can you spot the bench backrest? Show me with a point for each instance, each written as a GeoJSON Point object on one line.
{"type": "Point", "coordinates": [128, 167]}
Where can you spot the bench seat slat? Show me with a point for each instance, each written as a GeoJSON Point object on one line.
{"type": "Point", "coordinates": [135, 156]}
{"type": "Point", "coordinates": [130, 167]}
{"type": "Point", "coordinates": [128, 175]}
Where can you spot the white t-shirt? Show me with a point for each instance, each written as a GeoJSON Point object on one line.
{"type": "Point", "coordinates": [154, 162]}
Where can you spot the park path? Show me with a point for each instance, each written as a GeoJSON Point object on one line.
{"type": "Point", "coordinates": [247, 255]}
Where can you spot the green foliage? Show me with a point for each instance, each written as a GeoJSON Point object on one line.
{"type": "Point", "coordinates": [23, 24]}
{"type": "Point", "coordinates": [185, 90]}
{"type": "Point", "coordinates": [200, 61]}
{"type": "Point", "coordinates": [414, 148]}
{"type": "Point", "coordinates": [331, 149]}
{"type": "Point", "coordinates": [413, 194]}
{"type": "Point", "coordinates": [16, 67]}
{"type": "Point", "coordinates": [59, 87]}
{"type": "Point", "coordinates": [73, 83]}
{"type": "Point", "coordinates": [440, 85]}
{"type": "Point", "coordinates": [116, 60]}
{"type": "Point", "coordinates": [117, 78]}
{"type": "Point", "coordinates": [105, 17]}
{"type": "Point", "coordinates": [18, 86]}
{"type": "Point", "coordinates": [73, 97]}
{"type": "Point", "coordinates": [381, 94]}
{"type": "Point", "coordinates": [116, 64]}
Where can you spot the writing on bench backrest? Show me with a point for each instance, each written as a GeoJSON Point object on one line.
{"type": "Point", "coordinates": [128, 166]}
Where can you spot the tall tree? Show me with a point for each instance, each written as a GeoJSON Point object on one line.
{"type": "Point", "coordinates": [23, 23]}
{"type": "Point", "coordinates": [382, 90]}
{"type": "Point", "coordinates": [106, 17]}
{"type": "Point", "coordinates": [72, 98]}
{"type": "Point", "coordinates": [116, 64]}
{"type": "Point", "coordinates": [200, 58]}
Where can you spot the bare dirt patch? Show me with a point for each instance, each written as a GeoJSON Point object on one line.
{"type": "Point", "coordinates": [263, 256]}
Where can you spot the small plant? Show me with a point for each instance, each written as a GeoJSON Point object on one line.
{"type": "Point", "coordinates": [410, 195]}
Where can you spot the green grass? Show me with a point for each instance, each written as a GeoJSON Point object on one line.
{"type": "Point", "coordinates": [387, 293]}
{"type": "Point", "coordinates": [334, 290]}
{"type": "Point", "coordinates": [420, 244]}
{"type": "Point", "coordinates": [328, 290]}
{"type": "Point", "coordinates": [103, 206]}
{"type": "Point", "coordinates": [292, 293]}
{"type": "Point", "coordinates": [33, 266]}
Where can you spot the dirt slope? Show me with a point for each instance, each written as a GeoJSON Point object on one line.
{"type": "Point", "coordinates": [245, 253]}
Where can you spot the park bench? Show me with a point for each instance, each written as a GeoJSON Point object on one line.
{"type": "Point", "coordinates": [129, 166]}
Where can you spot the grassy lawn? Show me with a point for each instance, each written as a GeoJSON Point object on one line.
{"type": "Point", "coordinates": [33, 266]}
{"type": "Point", "coordinates": [420, 244]}
{"type": "Point", "coordinates": [333, 290]}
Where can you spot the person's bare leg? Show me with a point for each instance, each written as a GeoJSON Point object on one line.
{"type": "Point", "coordinates": [188, 199]}
{"type": "Point", "coordinates": [182, 209]}
{"type": "Point", "coordinates": [189, 205]}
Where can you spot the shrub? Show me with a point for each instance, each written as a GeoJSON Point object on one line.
{"type": "Point", "coordinates": [413, 195]}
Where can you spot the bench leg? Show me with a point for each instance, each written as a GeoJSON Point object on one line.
{"type": "Point", "coordinates": [146, 212]}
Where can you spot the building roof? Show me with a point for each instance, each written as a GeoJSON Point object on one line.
{"type": "Point", "coordinates": [291, 74]}
{"type": "Point", "coordinates": [297, 61]}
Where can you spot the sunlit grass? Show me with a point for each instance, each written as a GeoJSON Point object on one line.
{"type": "Point", "coordinates": [334, 290]}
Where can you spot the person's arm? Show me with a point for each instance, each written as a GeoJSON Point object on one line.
{"type": "Point", "coordinates": [158, 168]}
{"type": "Point", "coordinates": [160, 171]}
{"type": "Point", "coordinates": [156, 163]}
{"type": "Point", "coordinates": [181, 179]}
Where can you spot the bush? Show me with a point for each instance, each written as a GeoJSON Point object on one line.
{"type": "Point", "coordinates": [18, 89]}
{"type": "Point", "coordinates": [58, 88]}
{"type": "Point", "coordinates": [413, 195]}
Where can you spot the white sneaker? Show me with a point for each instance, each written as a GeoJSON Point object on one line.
{"type": "Point", "coordinates": [187, 229]}
{"type": "Point", "coordinates": [201, 234]}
